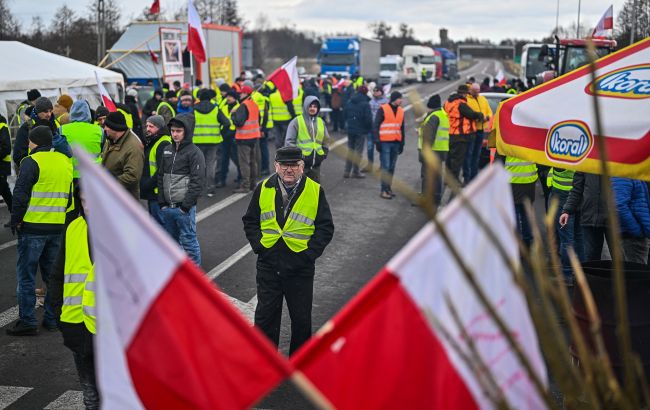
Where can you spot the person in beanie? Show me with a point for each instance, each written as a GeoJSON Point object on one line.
{"type": "Point", "coordinates": [288, 224]}
{"type": "Point", "coordinates": [359, 119]}
{"type": "Point", "coordinates": [185, 103]}
{"type": "Point", "coordinates": [156, 139]}
{"type": "Point", "coordinates": [41, 196]}
{"type": "Point", "coordinates": [123, 155]}
{"type": "Point", "coordinates": [24, 110]}
{"type": "Point", "coordinates": [151, 105]}
{"type": "Point", "coordinates": [209, 120]}
{"type": "Point", "coordinates": [378, 99]}
{"type": "Point", "coordinates": [166, 107]}
{"type": "Point", "coordinates": [41, 114]}
{"type": "Point", "coordinates": [100, 115]}
{"type": "Point", "coordinates": [462, 129]}
{"type": "Point", "coordinates": [390, 137]}
{"type": "Point", "coordinates": [62, 108]}
{"type": "Point", "coordinates": [247, 135]}
{"type": "Point", "coordinates": [433, 134]}
{"type": "Point", "coordinates": [180, 184]}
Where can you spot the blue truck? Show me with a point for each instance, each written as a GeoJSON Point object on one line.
{"type": "Point", "coordinates": [449, 64]}
{"type": "Point", "coordinates": [349, 55]}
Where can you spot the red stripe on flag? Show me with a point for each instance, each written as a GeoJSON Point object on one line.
{"type": "Point", "coordinates": [108, 103]}
{"type": "Point", "coordinates": [382, 353]}
{"type": "Point", "coordinates": [282, 82]}
{"type": "Point", "coordinates": [195, 45]}
{"type": "Point", "coordinates": [194, 351]}
{"type": "Point", "coordinates": [608, 23]}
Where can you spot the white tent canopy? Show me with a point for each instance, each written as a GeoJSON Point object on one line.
{"type": "Point", "coordinates": [24, 67]}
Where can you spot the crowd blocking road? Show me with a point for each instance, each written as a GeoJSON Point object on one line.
{"type": "Point", "coordinates": [38, 372]}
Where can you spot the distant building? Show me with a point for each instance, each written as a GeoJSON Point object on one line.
{"type": "Point", "coordinates": [444, 37]}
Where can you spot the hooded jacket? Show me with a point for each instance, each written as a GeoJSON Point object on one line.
{"type": "Point", "coordinates": [21, 144]}
{"type": "Point", "coordinates": [149, 182]}
{"type": "Point", "coordinates": [80, 112]}
{"type": "Point", "coordinates": [359, 115]}
{"type": "Point", "coordinates": [292, 132]}
{"type": "Point", "coordinates": [633, 207]}
{"type": "Point", "coordinates": [181, 172]}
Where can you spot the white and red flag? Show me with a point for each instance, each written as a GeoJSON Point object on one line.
{"type": "Point", "coordinates": [387, 88]}
{"type": "Point", "coordinates": [166, 337]}
{"type": "Point", "coordinates": [107, 101]}
{"type": "Point", "coordinates": [500, 78]}
{"type": "Point", "coordinates": [154, 57]}
{"type": "Point", "coordinates": [385, 349]}
{"type": "Point", "coordinates": [155, 7]}
{"type": "Point", "coordinates": [605, 23]}
{"type": "Point", "coordinates": [195, 40]}
{"type": "Point", "coordinates": [286, 80]}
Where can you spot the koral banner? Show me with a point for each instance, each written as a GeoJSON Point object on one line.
{"type": "Point", "coordinates": [554, 124]}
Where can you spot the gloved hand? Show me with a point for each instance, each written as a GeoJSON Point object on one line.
{"type": "Point", "coordinates": [15, 227]}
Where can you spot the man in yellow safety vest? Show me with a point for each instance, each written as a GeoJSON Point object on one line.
{"type": "Point", "coordinates": [433, 134]}
{"type": "Point", "coordinates": [288, 224]}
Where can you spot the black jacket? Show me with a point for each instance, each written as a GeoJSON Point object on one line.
{"type": "Point", "coordinates": [131, 107]}
{"type": "Point", "coordinates": [280, 257]}
{"type": "Point", "coordinates": [181, 172]}
{"type": "Point", "coordinates": [5, 148]}
{"type": "Point", "coordinates": [27, 177]}
{"type": "Point", "coordinates": [358, 115]}
{"type": "Point", "coordinates": [21, 144]}
{"type": "Point", "coordinates": [379, 118]}
{"type": "Point", "coordinates": [149, 182]}
{"type": "Point", "coordinates": [586, 197]}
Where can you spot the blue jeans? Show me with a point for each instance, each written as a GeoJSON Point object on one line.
{"type": "Point", "coordinates": [228, 153]}
{"type": "Point", "coordinates": [568, 236]}
{"type": "Point", "coordinates": [388, 158]}
{"type": "Point", "coordinates": [523, 225]}
{"type": "Point", "coordinates": [154, 211]}
{"type": "Point", "coordinates": [35, 251]}
{"type": "Point", "coordinates": [438, 186]}
{"type": "Point", "coordinates": [470, 166]}
{"type": "Point", "coordinates": [371, 148]}
{"type": "Point", "coordinates": [182, 227]}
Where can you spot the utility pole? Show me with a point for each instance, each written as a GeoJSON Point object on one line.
{"type": "Point", "coordinates": [557, 18]}
{"type": "Point", "coordinates": [101, 30]}
{"type": "Point", "coordinates": [633, 22]}
{"type": "Point", "coordinates": [578, 25]}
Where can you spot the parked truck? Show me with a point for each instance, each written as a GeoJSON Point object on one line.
{"type": "Point", "coordinates": [349, 55]}
{"type": "Point", "coordinates": [449, 64]}
{"type": "Point", "coordinates": [392, 70]}
{"type": "Point", "coordinates": [417, 60]}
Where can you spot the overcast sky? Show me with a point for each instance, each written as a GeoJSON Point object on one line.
{"type": "Point", "coordinates": [492, 19]}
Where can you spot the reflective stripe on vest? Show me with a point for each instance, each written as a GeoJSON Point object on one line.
{"type": "Point", "coordinates": [308, 143]}
{"type": "Point", "coordinates": [251, 128]}
{"type": "Point", "coordinates": [153, 153]}
{"type": "Point", "coordinates": [521, 172]}
{"type": "Point", "coordinates": [390, 129]}
{"type": "Point", "coordinates": [562, 180]}
{"type": "Point", "coordinates": [77, 274]}
{"type": "Point", "coordinates": [49, 197]}
{"type": "Point", "coordinates": [168, 105]}
{"type": "Point", "coordinates": [7, 158]}
{"type": "Point", "coordinates": [299, 226]}
{"type": "Point", "coordinates": [263, 104]}
{"type": "Point", "coordinates": [207, 129]}
{"type": "Point", "coordinates": [441, 142]}
{"type": "Point", "coordinates": [20, 111]}
{"type": "Point", "coordinates": [297, 102]}
{"type": "Point", "coordinates": [88, 136]}
{"type": "Point", "coordinates": [228, 112]}
{"type": "Point", "coordinates": [128, 117]}
{"type": "Point", "coordinates": [279, 110]}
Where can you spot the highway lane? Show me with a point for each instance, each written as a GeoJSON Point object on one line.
{"type": "Point", "coordinates": [369, 231]}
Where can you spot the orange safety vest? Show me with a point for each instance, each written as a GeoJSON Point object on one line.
{"type": "Point", "coordinates": [457, 123]}
{"type": "Point", "coordinates": [251, 128]}
{"type": "Point", "coordinates": [390, 129]}
{"type": "Point", "coordinates": [236, 87]}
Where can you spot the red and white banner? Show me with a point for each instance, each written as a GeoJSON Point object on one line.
{"type": "Point", "coordinates": [286, 80]}
{"type": "Point", "coordinates": [166, 338]}
{"type": "Point", "coordinates": [554, 123]}
{"type": "Point", "coordinates": [605, 23]}
{"type": "Point", "coordinates": [155, 7]}
{"type": "Point", "coordinates": [107, 101]}
{"type": "Point", "coordinates": [195, 40]}
{"type": "Point", "coordinates": [384, 350]}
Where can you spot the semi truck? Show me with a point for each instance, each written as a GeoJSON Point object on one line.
{"type": "Point", "coordinates": [350, 55]}
{"type": "Point", "coordinates": [417, 59]}
{"type": "Point", "coordinates": [392, 70]}
{"type": "Point", "coordinates": [449, 64]}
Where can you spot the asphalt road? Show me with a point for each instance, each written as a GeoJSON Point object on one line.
{"type": "Point", "coordinates": [38, 372]}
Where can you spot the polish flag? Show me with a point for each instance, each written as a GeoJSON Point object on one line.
{"type": "Point", "coordinates": [107, 101]}
{"type": "Point", "coordinates": [166, 337]}
{"type": "Point", "coordinates": [154, 56]}
{"type": "Point", "coordinates": [387, 88]}
{"type": "Point", "coordinates": [155, 7]}
{"type": "Point", "coordinates": [606, 23]}
{"type": "Point", "coordinates": [286, 80]}
{"type": "Point", "coordinates": [500, 78]}
{"type": "Point", "coordinates": [387, 347]}
{"type": "Point", "coordinates": [195, 40]}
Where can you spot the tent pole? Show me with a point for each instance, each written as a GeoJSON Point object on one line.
{"type": "Point", "coordinates": [128, 52]}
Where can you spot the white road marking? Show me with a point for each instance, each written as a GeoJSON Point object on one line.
{"type": "Point", "coordinates": [7, 317]}
{"type": "Point", "coordinates": [9, 394]}
{"type": "Point", "coordinates": [218, 206]}
{"type": "Point", "coordinates": [8, 244]}
{"type": "Point", "coordinates": [246, 309]}
{"type": "Point", "coordinates": [70, 400]}
{"type": "Point", "coordinates": [232, 259]}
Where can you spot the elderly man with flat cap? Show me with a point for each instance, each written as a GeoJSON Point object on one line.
{"type": "Point", "coordinates": [288, 224]}
{"type": "Point", "coordinates": [123, 154]}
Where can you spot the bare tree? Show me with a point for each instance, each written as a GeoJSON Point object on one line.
{"type": "Point", "coordinates": [9, 28]}
{"type": "Point", "coordinates": [380, 29]}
